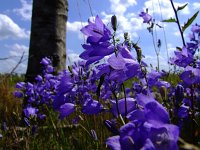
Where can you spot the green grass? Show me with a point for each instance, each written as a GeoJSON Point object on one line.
{"type": "Point", "coordinates": [53, 134]}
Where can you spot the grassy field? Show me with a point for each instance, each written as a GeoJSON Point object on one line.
{"type": "Point", "coordinates": [54, 134]}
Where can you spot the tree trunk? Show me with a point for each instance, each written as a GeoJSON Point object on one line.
{"type": "Point", "coordinates": [48, 35]}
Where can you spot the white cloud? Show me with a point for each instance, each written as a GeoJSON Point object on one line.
{"type": "Point", "coordinates": [9, 29]}
{"type": "Point", "coordinates": [26, 10]}
{"type": "Point", "coordinates": [17, 50]}
{"type": "Point", "coordinates": [75, 26]}
{"type": "Point", "coordinates": [8, 65]}
{"type": "Point", "coordinates": [72, 57]}
{"type": "Point", "coordinates": [164, 7]}
{"type": "Point", "coordinates": [196, 5]}
{"type": "Point", "coordinates": [127, 22]}
{"type": "Point", "coordinates": [171, 49]}
{"type": "Point", "coordinates": [15, 53]}
{"type": "Point", "coordinates": [121, 5]}
{"type": "Point", "coordinates": [149, 59]}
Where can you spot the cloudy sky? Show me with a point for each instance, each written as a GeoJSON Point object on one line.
{"type": "Point", "coordinates": [15, 21]}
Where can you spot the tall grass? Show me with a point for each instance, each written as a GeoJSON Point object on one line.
{"type": "Point", "coordinates": [53, 134]}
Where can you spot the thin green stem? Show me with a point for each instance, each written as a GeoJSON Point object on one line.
{"type": "Point", "coordinates": [117, 106]}
{"type": "Point", "coordinates": [178, 22]}
{"type": "Point", "coordinates": [126, 110]}
{"type": "Point", "coordinates": [156, 51]}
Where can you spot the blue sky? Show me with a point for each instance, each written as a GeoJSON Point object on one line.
{"type": "Point", "coordinates": [15, 21]}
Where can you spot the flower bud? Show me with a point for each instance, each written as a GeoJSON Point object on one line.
{"type": "Point", "coordinates": [111, 127]}
{"type": "Point", "coordinates": [139, 53]}
{"type": "Point", "coordinates": [179, 94]}
{"type": "Point", "coordinates": [4, 126]}
{"type": "Point", "coordinates": [34, 129]}
{"type": "Point", "coordinates": [163, 92]}
{"type": "Point", "coordinates": [114, 22]}
{"type": "Point", "coordinates": [126, 37]}
{"type": "Point", "coordinates": [94, 135]}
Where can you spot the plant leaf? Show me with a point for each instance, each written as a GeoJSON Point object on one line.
{"type": "Point", "coordinates": [181, 7]}
{"type": "Point", "coordinates": [169, 20]}
{"type": "Point", "coordinates": [189, 22]}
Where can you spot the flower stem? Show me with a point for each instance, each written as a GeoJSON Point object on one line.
{"type": "Point", "coordinates": [178, 22]}
{"type": "Point", "coordinates": [126, 111]}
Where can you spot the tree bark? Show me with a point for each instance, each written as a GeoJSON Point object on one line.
{"type": "Point", "coordinates": [48, 36]}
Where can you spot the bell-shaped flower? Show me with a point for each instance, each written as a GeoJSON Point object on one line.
{"type": "Point", "coordinates": [98, 41]}
{"type": "Point", "coordinates": [97, 51]}
{"type": "Point", "coordinates": [96, 31]}
{"type": "Point", "coordinates": [182, 58]}
{"type": "Point", "coordinates": [130, 102]}
{"type": "Point", "coordinates": [146, 17]}
{"type": "Point", "coordinates": [92, 107]}
{"type": "Point", "coordinates": [66, 109]}
{"type": "Point", "coordinates": [123, 64]}
{"type": "Point", "coordinates": [191, 75]}
{"type": "Point", "coordinates": [30, 111]}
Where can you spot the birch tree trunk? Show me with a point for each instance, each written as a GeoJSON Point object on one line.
{"type": "Point", "coordinates": [48, 35]}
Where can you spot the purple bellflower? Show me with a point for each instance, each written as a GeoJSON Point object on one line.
{"type": "Point", "coordinates": [131, 105]}
{"type": "Point", "coordinates": [146, 17]}
{"type": "Point", "coordinates": [91, 107]}
{"type": "Point", "coordinates": [46, 61]}
{"type": "Point", "coordinates": [195, 28]}
{"type": "Point", "coordinates": [182, 58]}
{"type": "Point", "coordinates": [98, 45]}
{"type": "Point", "coordinates": [96, 31]}
{"type": "Point", "coordinates": [149, 128]}
{"type": "Point", "coordinates": [66, 109]}
{"type": "Point", "coordinates": [30, 111]}
{"type": "Point", "coordinates": [191, 75]}
{"type": "Point", "coordinates": [124, 65]}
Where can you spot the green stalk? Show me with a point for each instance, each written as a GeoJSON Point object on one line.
{"type": "Point", "coordinates": [178, 23]}
{"type": "Point", "coordinates": [126, 111]}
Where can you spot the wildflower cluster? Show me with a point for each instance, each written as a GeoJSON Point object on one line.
{"type": "Point", "coordinates": [149, 114]}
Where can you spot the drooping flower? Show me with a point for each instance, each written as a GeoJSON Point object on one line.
{"type": "Point", "coordinates": [96, 31]}
{"type": "Point", "coordinates": [149, 128]}
{"type": "Point", "coordinates": [91, 107]}
{"type": "Point", "coordinates": [179, 94]}
{"type": "Point", "coordinates": [30, 111]}
{"type": "Point", "coordinates": [131, 105]}
{"type": "Point", "coordinates": [98, 44]}
{"type": "Point", "coordinates": [111, 126]}
{"type": "Point", "coordinates": [182, 58]}
{"type": "Point", "coordinates": [66, 109]}
{"type": "Point", "coordinates": [146, 17]}
{"type": "Point", "coordinates": [124, 65]}
{"type": "Point", "coordinates": [95, 52]}
{"type": "Point", "coordinates": [144, 136]}
{"type": "Point", "coordinates": [45, 61]}
{"type": "Point", "coordinates": [195, 28]}
{"type": "Point", "coordinates": [191, 75]}
{"type": "Point", "coordinates": [18, 94]}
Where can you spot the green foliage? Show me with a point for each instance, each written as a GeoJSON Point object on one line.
{"type": "Point", "coordinates": [53, 133]}
{"type": "Point", "coordinates": [181, 7]}
{"type": "Point", "coordinates": [169, 20]}
{"type": "Point", "coordinates": [190, 21]}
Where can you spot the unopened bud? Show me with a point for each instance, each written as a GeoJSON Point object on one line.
{"type": "Point", "coordinates": [4, 126]}
{"type": "Point", "coordinates": [139, 55]}
{"type": "Point", "coordinates": [114, 22]}
{"type": "Point", "coordinates": [163, 92]}
{"type": "Point", "coordinates": [94, 135]}
{"type": "Point", "coordinates": [179, 94]}
{"type": "Point", "coordinates": [111, 127]}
